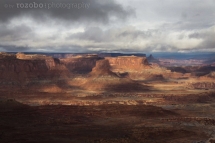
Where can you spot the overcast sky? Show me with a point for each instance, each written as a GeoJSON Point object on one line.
{"type": "Point", "coordinates": [111, 26]}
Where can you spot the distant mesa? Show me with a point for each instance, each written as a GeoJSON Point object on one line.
{"type": "Point", "coordinates": [32, 56]}
{"type": "Point", "coordinates": [128, 63]}
{"type": "Point", "coordinates": [21, 70]}
{"type": "Point", "coordinates": [150, 58]}
{"type": "Point", "coordinates": [86, 63]}
{"type": "Point", "coordinates": [103, 79]}
{"type": "Point", "coordinates": [211, 61]}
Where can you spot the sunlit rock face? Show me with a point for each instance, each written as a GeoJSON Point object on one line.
{"type": "Point", "coordinates": [103, 79]}
{"type": "Point", "coordinates": [128, 63]}
{"type": "Point", "coordinates": [137, 68]}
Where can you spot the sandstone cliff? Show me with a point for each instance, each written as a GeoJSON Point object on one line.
{"type": "Point", "coordinates": [80, 64]}
{"type": "Point", "coordinates": [102, 68]}
{"type": "Point", "coordinates": [25, 71]}
{"type": "Point", "coordinates": [103, 79]}
{"type": "Point", "coordinates": [138, 68]}
{"type": "Point", "coordinates": [128, 63]}
{"type": "Point", "coordinates": [4, 55]}
{"type": "Point", "coordinates": [85, 64]}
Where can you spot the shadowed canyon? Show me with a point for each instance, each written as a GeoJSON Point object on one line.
{"type": "Point", "coordinates": [105, 98]}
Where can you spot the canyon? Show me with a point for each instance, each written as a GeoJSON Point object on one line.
{"type": "Point", "coordinates": [105, 98]}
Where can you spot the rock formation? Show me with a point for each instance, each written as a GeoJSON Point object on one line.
{"type": "Point", "coordinates": [128, 63]}
{"type": "Point", "coordinates": [137, 68]}
{"type": "Point", "coordinates": [103, 79]}
{"type": "Point", "coordinates": [208, 77]}
{"type": "Point", "coordinates": [102, 68]}
{"type": "Point", "coordinates": [4, 55]}
{"type": "Point", "coordinates": [151, 59]}
{"type": "Point", "coordinates": [26, 71]}
{"type": "Point", "coordinates": [80, 64]}
{"type": "Point", "coordinates": [201, 85]}
{"type": "Point", "coordinates": [85, 64]}
{"type": "Point", "coordinates": [211, 74]}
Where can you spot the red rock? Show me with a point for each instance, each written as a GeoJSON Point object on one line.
{"type": "Point", "coordinates": [128, 63]}
{"type": "Point", "coordinates": [17, 72]}
{"type": "Point", "coordinates": [80, 64]}
{"type": "Point", "coordinates": [103, 79]}
{"type": "Point", "coordinates": [102, 68]}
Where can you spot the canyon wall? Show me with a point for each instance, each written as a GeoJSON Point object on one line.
{"type": "Point", "coordinates": [85, 64]}
{"type": "Point", "coordinates": [80, 64]}
{"type": "Point", "coordinates": [23, 69]}
{"type": "Point", "coordinates": [128, 63]}
{"type": "Point", "coordinates": [102, 67]}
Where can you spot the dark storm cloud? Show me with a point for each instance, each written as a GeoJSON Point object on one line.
{"type": "Point", "coordinates": [15, 33]}
{"type": "Point", "coordinates": [12, 48]}
{"type": "Point", "coordinates": [90, 11]}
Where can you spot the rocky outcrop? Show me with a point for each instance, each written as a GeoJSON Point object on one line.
{"type": "Point", "coordinates": [102, 68]}
{"type": "Point", "coordinates": [21, 72]}
{"type": "Point", "coordinates": [138, 68]}
{"type": "Point", "coordinates": [128, 63]}
{"type": "Point", "coordinates": [150, 58]}
{"type": "Point", "coordinates": [80, 64]}
{"type": "Point", "coordinates": [103, 79]}
{"type": "Point", "coordinates": [211, 75]}
{"type": "Point", "coordinates": [201, 85]}
{"type": "Point", "coordinates": [32, 56]}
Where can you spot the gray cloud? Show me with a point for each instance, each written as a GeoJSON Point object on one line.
{"type": "Point", "coordinates": [170, 26]}
{"type": "Point", "coordinates": [93, 33]}
{"type": "Point", "coordinates": [97, 12]}
{"type": "Point", "coordinates": [15, 32]}
{"type": "Point", "coordinates": [12, 48]}
{"type": "Point", "coordinates": [125, 39]}
{"type": "Point", "coordinates": [129, 33]}
{"type": "Point", "coordinates": [132, 39]}
{"type": "Point", "coordinates": [207, 36]}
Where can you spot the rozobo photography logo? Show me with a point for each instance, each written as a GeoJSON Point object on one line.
{"type": "Point", "coordinates": [51, 5]}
